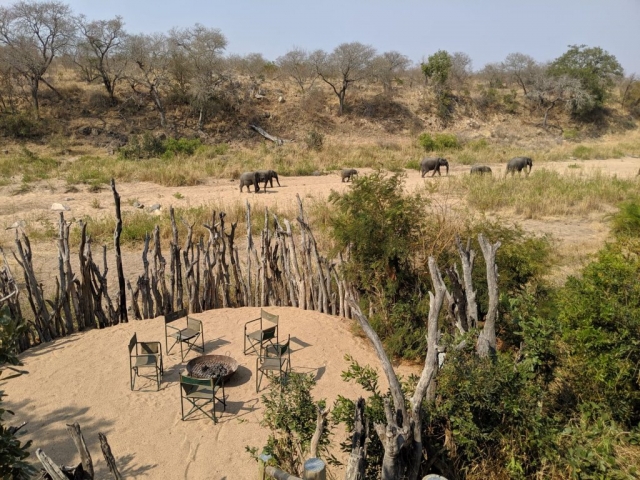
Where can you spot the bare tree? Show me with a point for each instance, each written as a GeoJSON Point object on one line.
{"type": "Point", "coordinates": [461, 70]}
{"type": "Point", "coordinates": [547, 92]}
{"type": "Point", "coordinates": [33, 34]}
{"type": "Point", "coordinates": [493, 74]}
{"type": "Point", "coordinates": [401, 435]}
{"type": "Point", "coordinates": [253, 65]}
{"type": "Point", "coordinates": [388, 67]}
{"type": "Point", "coordinates": [99, 50]}
{"type": "Point", "coordinates": [298, 66]}
{"type": "Point", "coordinates": [202, 48]}
{"type": "Point", "coordinates": [347, 64]}
{"type": "Point", "coordinates": [523, 69]}
{"type": "Point", "coordinates": [149, 58]}
{"type": "Point", "coordinates": [626, 87]}
{"type": "Point", "coordinates": [9, 84]}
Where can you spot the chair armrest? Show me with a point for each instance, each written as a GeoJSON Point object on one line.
{"type": "Point", "coordinates": [251, 321]}
{"type": "Point", "coordinates": [175, 328]}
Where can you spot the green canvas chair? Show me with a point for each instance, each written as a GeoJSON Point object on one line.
{"type": "Point", "coordinates": [276, 359]}
{"type": "Point", "coordinates": [144, 355]}
{"type": "Point", "coordinates": [260, 332]}
{"type": "Point", "coordinates": [201, 392]}
{"type": "Point", "coordinates": [188, 336]}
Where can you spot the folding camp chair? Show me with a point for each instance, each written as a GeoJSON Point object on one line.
{"type": "Point", "coordinates": [267, 331]}
{"type": "Point", "coordinates": [188, 335]}
{"type": "Point", "coordinates": [200, 392]}
{"type": "Point", "coordinates": [276, 358]}
{"type": "Point", "coordinates": [147, 355]}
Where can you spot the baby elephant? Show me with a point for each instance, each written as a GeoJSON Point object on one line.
{"type": "Point", "coordinates": [249, 178]}
{"type": "Point", "coordinates": [427, 164]}
{"type": "Point", "coordinates": [348, 173]}
{"type": "Point", "coordinates": [518, 163]}
{"type": "Point", "coordinates": [480, 170]}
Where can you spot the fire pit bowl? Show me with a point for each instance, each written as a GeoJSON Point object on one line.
{"type": "Point", "coordinates": [212, 366]}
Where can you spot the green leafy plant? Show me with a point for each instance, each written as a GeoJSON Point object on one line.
{"type": "Point", "coordinates": [13, 453]}
{"type": "Point", "coordinates": [438, 142]}
{"type": "Point", "coordinates": [290, 414]}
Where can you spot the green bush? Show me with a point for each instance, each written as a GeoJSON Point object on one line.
{"type": "Point", "coordinates": [290, 415]}
{"type": "Point", "coordinates": [180, 146]}
{"type": "Point", "coordinates": [13, 453]}
{"type": "Point", "coordinates": [510, 102]}
{"type": "Point", "coordinates": [380, 227]}
{"type": "Point", "coordinates": [626, 223]}
{"type": "Point", "coordinates": [600, 317]}
{"type": "Point", "coordinates": [20, 126]}
{"type": "Point", "coordinates": [150, 146]}
{"type": "Point", "coordinates": [438, 142]}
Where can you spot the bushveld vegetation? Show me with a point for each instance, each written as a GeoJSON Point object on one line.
{"type": "Point", "coordinates": [561, 397]}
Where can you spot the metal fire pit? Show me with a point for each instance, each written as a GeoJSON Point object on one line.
{"type": "Point", "coordinates": [212, 366]}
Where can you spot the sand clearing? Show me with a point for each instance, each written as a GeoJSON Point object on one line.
{"type": "Point", "coordinates": [84, 378]}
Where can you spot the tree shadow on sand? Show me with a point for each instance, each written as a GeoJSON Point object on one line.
{"type": "Point", "coordinates": [50, 434]}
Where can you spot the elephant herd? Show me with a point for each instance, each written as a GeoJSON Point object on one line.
{"type": "Point", "coordinates": [514, 165]}
{"type": "Point", "coordinates": [427, 164]}
{"type": "Point", "coordinates": [267, 176]}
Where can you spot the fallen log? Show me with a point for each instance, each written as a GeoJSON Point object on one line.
{"type": "Point", "coordinates": [276, 140]}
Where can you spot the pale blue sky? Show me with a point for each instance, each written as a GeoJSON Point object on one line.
{"type": "Point", "coordinates": [487, 30]}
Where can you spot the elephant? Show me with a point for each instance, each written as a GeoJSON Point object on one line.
{"type": "Point", "coordinates": [518, 163]}
{"type": "Point", "coordinates": [267, 176]}
{"type": "Point", "coordinates": [427, 164]}
{"type": "Point", "coordinates": [480, 170]}
{"type": "Point", "coordinates": [248, 179]}
{"type": "Point", "coordinates": [348, 173]}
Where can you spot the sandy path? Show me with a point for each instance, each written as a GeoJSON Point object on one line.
{"type": "Point", "coordinates": [84, 378]}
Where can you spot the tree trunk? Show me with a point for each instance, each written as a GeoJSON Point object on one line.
{"type": "Point", "coordinates": [487, 339]}
{"type": "Point", "coordinates": [81, 446]}
{"type": "Point", "coordinates": [356, 464]}
{"type": "Point", "coordinates": [122, 294]}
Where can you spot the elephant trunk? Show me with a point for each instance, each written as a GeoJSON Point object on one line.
{"type": "Point", "coordinates": [276, 177]}
{"type": "Point", "coordinates": [447, 167]}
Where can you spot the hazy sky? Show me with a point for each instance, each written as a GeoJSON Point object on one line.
{"type": "Point", "coordinates": [487, 30]}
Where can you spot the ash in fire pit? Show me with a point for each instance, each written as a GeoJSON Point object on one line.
{"type": "Point", "coordinates": [202, 370]}
{"type": "Point", "coordinates": [212, 366]}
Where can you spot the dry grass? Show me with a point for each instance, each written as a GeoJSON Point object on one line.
{"type": "Point", "coordinates": [137, 224]}
{"type": "Point", "coordinates": [543, 193]}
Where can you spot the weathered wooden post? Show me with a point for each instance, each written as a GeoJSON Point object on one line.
{"type": "Point", "coordinates": [314, 469]}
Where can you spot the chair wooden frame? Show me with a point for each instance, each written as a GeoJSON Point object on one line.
{"type": "Point", "coordinates": [263, 335]}
{"type": "Point", "coordinates": [276, 358]}
{"type": "Point", "coordinates": [147, 355]}
{"type": "Point", "coordinates": [188, 335]}
{"type": "Point", "coordinates": [200, 392]}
